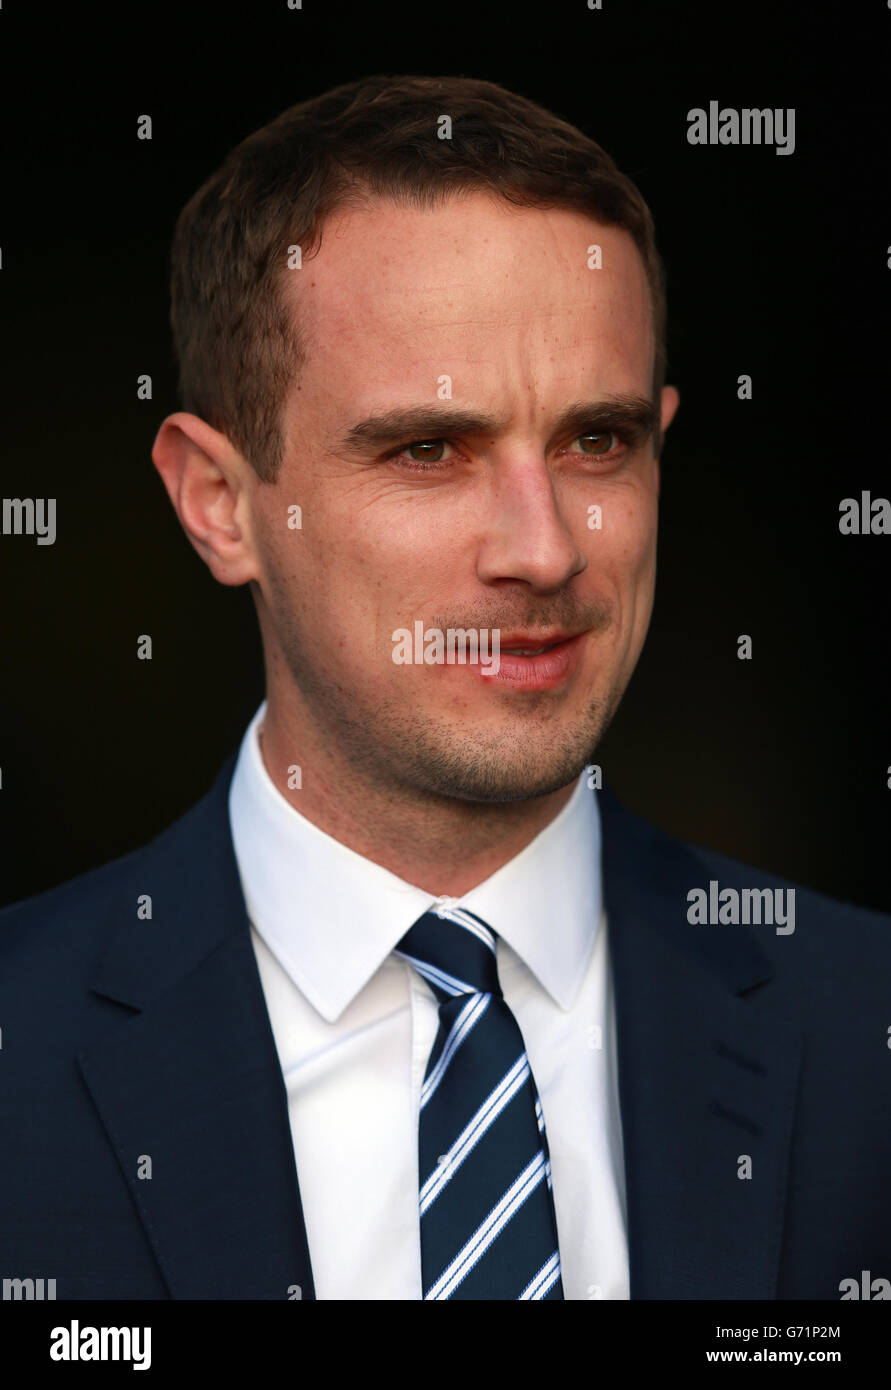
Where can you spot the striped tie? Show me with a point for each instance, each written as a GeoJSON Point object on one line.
{"type": "Point", "coordinates": [488, 1229]}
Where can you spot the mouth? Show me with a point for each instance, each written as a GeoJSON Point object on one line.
{"type": "Point", "coordinates": [525, 644]}
{"type": "Point", "coordinates": [529, 651]}
{"type": "Point", "coordinates": [529, 664]}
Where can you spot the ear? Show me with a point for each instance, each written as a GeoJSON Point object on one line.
{"type": "Point", "coordinates": [670, 401]}
{"type": "Point", "coordinates": [207, 482]}
{"type": "Point", "coordinates": [668, 405]}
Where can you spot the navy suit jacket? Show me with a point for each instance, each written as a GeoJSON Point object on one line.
{"type": "Point", "coordinates": [125, 1039]}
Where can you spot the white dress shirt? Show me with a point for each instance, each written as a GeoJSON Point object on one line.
{"type": "Point", "coordinates": [354, 1025]}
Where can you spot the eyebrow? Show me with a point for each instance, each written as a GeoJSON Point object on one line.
{"type": "Point", "coordinates": [636, 415]}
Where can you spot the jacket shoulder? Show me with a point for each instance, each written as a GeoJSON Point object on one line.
{"type": "Point", "coordinates": [825, 930]}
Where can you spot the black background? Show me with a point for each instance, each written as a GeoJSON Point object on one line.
{"type": "Point", "coordinates": [777, 268]}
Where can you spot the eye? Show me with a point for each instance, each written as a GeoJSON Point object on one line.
{"type": "Point", "coordinates": [598, 443]}
{"type": "Point", "coordinates": [420, 454]}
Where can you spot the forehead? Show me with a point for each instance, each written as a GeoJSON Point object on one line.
{"type": "Point", "coordinates": [475, 282]}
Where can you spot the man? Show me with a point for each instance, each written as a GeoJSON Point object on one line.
{"type": "Point", "coordinates": [407, 1007]}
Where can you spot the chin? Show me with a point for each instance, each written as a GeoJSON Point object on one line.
{"type": "Point", "coordinates": [496, 778]}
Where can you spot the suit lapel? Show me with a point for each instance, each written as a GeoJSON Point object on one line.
{"type": "Point", "coordinates": [707, 1075]}
{"type": "Point", "coordinates": [191, 1079]}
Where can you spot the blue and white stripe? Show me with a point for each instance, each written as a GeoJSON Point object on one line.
{"type": "Point", "coordinates": [544, 1280]}
{"type": "Point", "coordinates": [450, 983]}
{"type": "Point", "coordinates": [472, 1133]}
{"type": "Point", "coordinates": [467, 1019]}
{"type": "Point", "coordinates": [519, 1192]}
{"type": "Point", "coordinates": [464, 919]}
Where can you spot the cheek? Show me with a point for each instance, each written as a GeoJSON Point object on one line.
{"type": "Point", "coordinates": [625, 545]}
{"type": "Point", "coordinates": [342, 593]}
{"type": "Point", "coordinates": [642, 573]}
{"type": "Point", "coordinates": [401, 564]}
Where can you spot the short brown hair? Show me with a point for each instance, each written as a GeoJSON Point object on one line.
{"type": "Point", "coordinates": [237, 345]}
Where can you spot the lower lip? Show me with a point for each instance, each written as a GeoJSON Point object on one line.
{"type": "Point", "coordinates": [545, 671]}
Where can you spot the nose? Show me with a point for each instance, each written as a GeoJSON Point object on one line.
{"type": "Point", "coordinates": [527, 537]}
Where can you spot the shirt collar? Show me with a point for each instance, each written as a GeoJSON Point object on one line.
{"type": "Point", "coordinates": [332, 917]}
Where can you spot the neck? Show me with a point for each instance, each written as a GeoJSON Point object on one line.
{"type": "Point", "coordinates": [437, 843]}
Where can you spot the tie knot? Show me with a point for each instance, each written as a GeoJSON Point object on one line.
{"type": "Point", "coordinates": [454, 951]}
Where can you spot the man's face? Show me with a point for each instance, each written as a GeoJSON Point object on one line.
{"type": "Point", "coordinates": [488, 521]}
